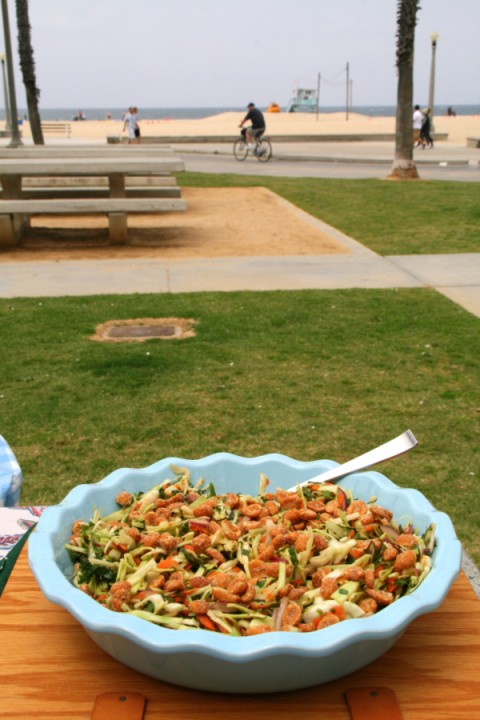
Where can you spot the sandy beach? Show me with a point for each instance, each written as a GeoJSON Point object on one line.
{"type": "Point", "coordinates": [458, 128]}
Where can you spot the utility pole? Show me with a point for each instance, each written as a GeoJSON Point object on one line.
{"type": "Point", "coordinates": [348, 87]}
{"type": "Point", "coordinates": [15, 139]}
{"type": "Point", "coordinates": [318, 93]}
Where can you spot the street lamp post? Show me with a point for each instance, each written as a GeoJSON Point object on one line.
{"type": "Point", "coordinates": [16, 139]}
{"type": "Point", "coordinates": [431, 96]}
{"type": "Point", "coordinates": [8, 120]}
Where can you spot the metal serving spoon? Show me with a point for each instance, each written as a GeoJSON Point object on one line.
{"type": "Point", "coordinates": [392, 448]}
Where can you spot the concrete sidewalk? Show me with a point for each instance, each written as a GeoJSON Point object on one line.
{"type": "Point", "coordinates": [455, 276]}
{"type": "Point", "coordinates": [445, 152]}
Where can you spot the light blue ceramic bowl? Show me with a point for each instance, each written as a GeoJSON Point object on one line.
{"type": "Point", "coordinates": [271, 662]}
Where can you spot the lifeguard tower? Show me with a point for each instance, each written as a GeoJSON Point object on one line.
{"type": "Point", "coordinates": [305, 100]}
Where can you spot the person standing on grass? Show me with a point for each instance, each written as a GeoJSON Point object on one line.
{"type": "Point", "coordinates": [257, 128]}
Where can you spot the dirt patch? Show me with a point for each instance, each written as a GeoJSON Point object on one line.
{"type": "Point", "coordinates": [219, 222]}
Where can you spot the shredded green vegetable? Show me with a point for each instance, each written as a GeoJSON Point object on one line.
{"type": "Point", "coordinates": [183, 557]}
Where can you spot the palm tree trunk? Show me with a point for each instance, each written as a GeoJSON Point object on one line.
{"type": "Point", "coordinates": [404, 167]}
{"type": "Point", "coordinates": [27, 65]}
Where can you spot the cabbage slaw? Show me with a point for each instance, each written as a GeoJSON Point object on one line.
{"type": "Point", "coordinates": [183, 557]}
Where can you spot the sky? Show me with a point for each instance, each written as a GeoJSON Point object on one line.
{"type": "Point", "coordinates": [226, 53]}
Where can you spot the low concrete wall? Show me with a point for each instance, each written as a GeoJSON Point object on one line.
{"type": "Point", "coordinates": [207, 139]}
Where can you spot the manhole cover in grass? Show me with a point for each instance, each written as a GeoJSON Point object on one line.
{"type": "Point", "coordinates": [144, 329]}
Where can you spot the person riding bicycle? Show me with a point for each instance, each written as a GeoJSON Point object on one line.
{"type": "Point", "coordinates": [257, 128]}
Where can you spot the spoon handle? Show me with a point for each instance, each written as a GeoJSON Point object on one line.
{"type": "Point", "coordinates": [392, 448]}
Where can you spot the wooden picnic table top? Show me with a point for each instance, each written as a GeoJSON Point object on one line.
{"type": "Point", "coordinates": [54, 670]}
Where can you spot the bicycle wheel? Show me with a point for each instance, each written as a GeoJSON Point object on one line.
{"type": "Point", "coordinates": [264, 152]}
{"type": "Point", "coordinates": [240, 149]}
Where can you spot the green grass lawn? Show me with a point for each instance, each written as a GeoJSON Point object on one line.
{"type": "Point", "coordinates": [312, 374]}
{"type": "Point", "coordinates": [391, 218]}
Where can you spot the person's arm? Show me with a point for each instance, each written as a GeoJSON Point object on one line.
{"type": "Point", "coordinates": [247, 117]}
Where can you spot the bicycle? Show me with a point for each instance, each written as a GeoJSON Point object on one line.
{"type": "Point", "coordinates": [262, 148]}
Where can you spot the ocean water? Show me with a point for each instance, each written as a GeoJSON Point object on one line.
{"type": "Point", "coordinates": [159, 113]}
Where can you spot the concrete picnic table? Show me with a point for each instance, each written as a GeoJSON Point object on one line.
{"type": "Point", "coordinates": [16, 208]}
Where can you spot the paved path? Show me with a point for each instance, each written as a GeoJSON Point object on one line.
{"type": "Point", "coordinates": [446, 161]}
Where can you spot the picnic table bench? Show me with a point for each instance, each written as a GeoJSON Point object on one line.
{"type": "Point", "coordinates": [54, 127]}
{"type": "Point", "coordinates": [115, 208]}
{"type": "Point", "coordinates": [94, 190]}
{"type": "Point", "coordinates": [17, 204]}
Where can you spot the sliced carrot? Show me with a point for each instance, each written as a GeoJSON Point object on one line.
{"type": "Point", "coordinates": [339, 611]}
{"type": "Point", "coordinates": [355, 553]}
{"type": "Point", "coordinates": [206, 622]}
{"type": "Point", "coordinates": [391, 585]}
{"type": "Point", "coordinates": [120, 546]}
{"type": "Point", "coordinates": [191, 591]}
{"type": "Point", "coordinates": [167, 562]}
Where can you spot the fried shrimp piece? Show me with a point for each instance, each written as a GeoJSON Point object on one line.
{"type": "Point", "coordinates": [368, 605]}
{"type": "Point", "coordinates": [291, 615]}
{"type": "Point", "coordinates": [124, 498]}
{"type": "Point", "coordinates": [120, 592]}
{"type": "Point", "coordinates": [198, 607]}
{"type": "Point", "coordinates": [327, 620]}
{"type": "Point", "coordinates": [258, 629]}
{"type": "Point", "coordinates": [175, 582]}
{"type": "Point", "coordinates": [390, 553]}
{"type": "Point", "coordinates": [328, 587]}
{"type": "Point", "coordinates": [405, 560]}
{"type": "Point", "coordinates": [381, 512]}
{"type": "Point", "coordinates": [381, 597]}
{"type": "Point", "coordinates": [201, 543]}
{"type": "Point", "coordinates": [407, 540]}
